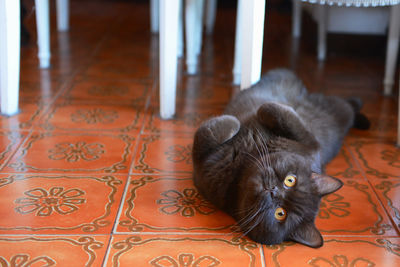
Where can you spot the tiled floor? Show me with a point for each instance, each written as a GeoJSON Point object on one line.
{"type": "Point", "coordinates": [90, 175]}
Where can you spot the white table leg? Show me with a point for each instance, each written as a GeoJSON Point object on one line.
{"type": "Point", "coordinates": [10, 29]}
{"type": "Point", "coordinates": [190, 29]}
{"type": "Point", "coordinates": [211, 12]}
{"type": "Point", "coordinates": [322, 21]}
{"type": "Point", "coordinates": [154, 15]}
{"type": "Point", "coordinates": [252, 40]}
{"type": "Point", "coordinates": [237, 64]}
{"type": "Point", "coordinates": [296, 18]}
{"type": "Point", "coordinates": [62, 15]}
{"type": "Point", "coordinates": [392, 49]}
{"type": "Point", "coordinates": [43, 32]}
{"type": "Point", "coordinates": [169, 16]}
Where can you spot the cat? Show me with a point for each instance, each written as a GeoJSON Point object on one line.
{"type": "Point", "coordinates": [263, 161]}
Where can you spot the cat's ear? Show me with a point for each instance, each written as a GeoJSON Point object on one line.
{"type": "Point", "coordinates": [213, 133]}
{"type": "Point", "coordinates": [326, 184]}
{"type": "Point", "coordinates": [284, 121]}
{"type": "Point", "coordinates": [307, 234]}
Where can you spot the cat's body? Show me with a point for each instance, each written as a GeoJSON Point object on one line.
{"type": "Point", "coordinates": [262, 162]}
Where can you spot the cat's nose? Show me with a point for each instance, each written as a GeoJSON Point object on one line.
{"type": "Point", "coordinates": [274, 191]}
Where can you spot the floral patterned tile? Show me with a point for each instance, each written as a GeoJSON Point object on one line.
{"type": "Point", "coordinates": [118, 69]}
{"type": "Point", "coordinates": [164, 153]}
{"type": "Point", "coordinates": [28, 115]}
{"type": "Point", "coordinates": [155, 250]}
{"type": "Point", "coordinates": [383, 126]}
{"type": "Point", "coordinates": [343, 166]}
{"type": "Point", "coordinates": [59, 204]}
{"type": "Point", "coordinates": [39, 91]}
{"type": "Point", "coordinates": [9, 142]}
{"type": "Point", "coordinates": [169, 204]}
{"type": "Point", "coordinates": [389, 194]}
{"type": "Point", "coordinates": [378, 159]}
{"type": "Point", "coordinates": [200, 92]}
{"type": "Point", "coordinates": [68, 116]}
{"type": "Point", "coordinates": [73, 152]}
{"type": "Point", "coordinates": [108, 91]}
{"type": "Point", "coordinates": [353, 210]}
{"type": "Point", "coordinates": [52, 250]}
{"type": "Point", "coordinates": [185, 120]}
{"type": "Point", "coordinates": [337, 251]}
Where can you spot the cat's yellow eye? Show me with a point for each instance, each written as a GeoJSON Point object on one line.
{"type": "Point", "coordinates": [280, 214]}
{"type": "Point", "coordinates": [290, 181]}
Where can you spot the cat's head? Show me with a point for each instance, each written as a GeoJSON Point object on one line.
{"type": "Point", "coordinates": [281, 184]}
{"type": "Point", "coordinates": [278, 198]}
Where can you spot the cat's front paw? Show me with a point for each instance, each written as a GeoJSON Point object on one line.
{"type": "Point", "coordinates": [222, 128]}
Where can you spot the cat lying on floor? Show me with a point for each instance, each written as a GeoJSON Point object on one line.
{"type": "Point", "coordinates": [263, 161]}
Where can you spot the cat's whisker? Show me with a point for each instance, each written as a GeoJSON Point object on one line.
{"type": "Point", "coordinates": [252, 219]}
{"type": "Point", "coordinates": [258, 218]}
{"type": "Point", "coordinates": [257, 161]}
{"type": "Point", "coordinates": [265, 148]}
{"type": "Point", "coordinates": [263, 155]}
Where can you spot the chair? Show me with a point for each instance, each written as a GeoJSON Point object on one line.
{"type": "Point", "coordinates": [393, 33]}
{"type": "Point", "coordinates": [248, 45]}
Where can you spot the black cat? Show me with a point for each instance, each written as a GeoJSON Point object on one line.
{"type": "Point", "coordinates": [263, 161]}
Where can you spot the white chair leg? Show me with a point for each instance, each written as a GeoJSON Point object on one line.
{"type": "Point", "coordinates": [392, 49]}
{"type": "Point", "coordinates": [296, 18]}
{"type": "Point", "coordinates": [252, 41]}
{"type": "Point", "coordinates": [211, 12]}
{"type": "Point", "coordinates": [62, 15]}
{"type": "Point", "coordinates": [180, 30]}
{"type": "Point", "coordinates": [169, 16]}
{"type": "Point", "coordinates": [43, 32]}
{"type": "Point", "coordinates": [322, 21]}
{"type": "Point", "coordinates": [154, 15]}
{"type": "Point", "coordinates": [237, 64]}
{"type": "Point", "coordinates": [9, 55]}
{"type": "Point", "coordinates": [199, 25]}
{"type": "Point", "coordinates": [190, 29]}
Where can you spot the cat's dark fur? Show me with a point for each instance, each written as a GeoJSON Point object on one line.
{"type": "Point", "coordinates": [272, 130]}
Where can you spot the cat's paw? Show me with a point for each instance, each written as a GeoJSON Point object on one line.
{"type": "Point", "coordinates": [222, 128]}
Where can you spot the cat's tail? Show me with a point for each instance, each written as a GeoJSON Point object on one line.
{"type": "Point", "coordinates": [360, 120]}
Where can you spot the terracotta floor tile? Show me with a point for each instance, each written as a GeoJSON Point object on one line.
{"type": "Point", "coordinates": [337, 251]}
{"type": "Point", "coordinates": [186, 119]}
{"type": "Point", "coordinates": [382, 127]}
{"type": "Point", "coordinates": [40, 91]}
{"type": "Point", "coordinates": [108, 91]}
{"type": "Point", "coordinates": [67, 116]}
{"type": "Point", "coordinates": [378, 159]}
{"type": "Point", "coordinates": [201, 92]}
{"type": "Point", "coordinates": [52, 250]}
{"type": "Point", "coordinates": [27, 116]}
{"type": "Point", "coordinates": [183, 251]}
{"type": "Point", "coordinates": [169, 204]}
{"type": "Point", "coordinates": [353, 210]}
{"type": "Point", "coordinates": [121, 69]}
{"type": "Point", "coordinates": [74, 153]}
{"type": "Point", "coordinates": [389, 194]}
{"type": "Point", "coordinates": [164, 154]}
{"type": "Point", "coordinates": [343, 166]}
{"type": "Point", "coordinates": [48, 204]}
{"type": "Point", "coordinates": [9, 142]}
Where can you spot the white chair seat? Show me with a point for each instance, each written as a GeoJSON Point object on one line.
{"type": "Point", "coordinates": [393, 35]}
